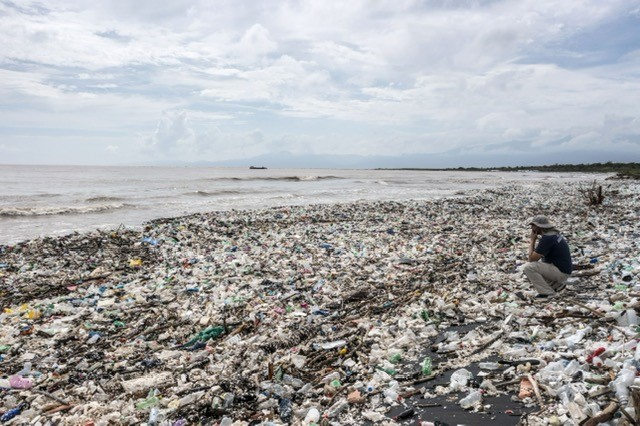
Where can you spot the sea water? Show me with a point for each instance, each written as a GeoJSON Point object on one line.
{"type": "Point", "coordinates": [40, 201]}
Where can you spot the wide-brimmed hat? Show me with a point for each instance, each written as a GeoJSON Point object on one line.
{"type": "Point", "coordinates": [541, 222]}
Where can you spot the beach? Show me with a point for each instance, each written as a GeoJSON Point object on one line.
{"type": "Point", "coordinates": [326, 312]}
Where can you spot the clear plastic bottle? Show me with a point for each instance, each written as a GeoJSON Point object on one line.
{"type": "Point", "coordinates": [578, 336]}
{"type": "Point", "coordinates": [474, 398]}
{"type": "Point", "coordinates": [93, 339]}
{"type": "Point", "coordinates": [294, 382]}
{"type": "Point", "coordinates": [621, 385]}
{"type": "Point", "coordinates": [337, 408]}
{"type": "Point", "coordinates": [390, 395]}
{"type": "Point", "coordinates": [460, 378]}
{"type": "Point", "coordinates": [572, 368]}
{"type": "Point", "coordinates": [154, 417]}
{"type": "Point", "coordinates": [489, 365]}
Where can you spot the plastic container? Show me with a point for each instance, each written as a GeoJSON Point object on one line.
{"type": "Point", "coordinates": [474, 398]}
{"type": "Point", "coordinates": [337, 408]}
{"type": "Point", "coordinates": [489, 365]}
{"type": "Point", "coordinates": [313, 416]}
{"type": "Point", "coordinates": [621, 384]}
{"type": "Point", "coordinates": [460, 378]}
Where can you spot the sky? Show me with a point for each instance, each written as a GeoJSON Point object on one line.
{"type": "Point", "coordinates": [375, 83]}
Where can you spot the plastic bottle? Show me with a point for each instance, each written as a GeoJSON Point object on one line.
{"type": "Point", "coordinates": [331, 377]}
{"type": "Point", "coordinates": [337, 408]}
{"type": "Point", "coordinates": [630, 318]}
{"type": "Point", "coordinates": [596, 353]}
{"type": "Point", "coordinates": [154, 415]}
{"type": "Point", "coordinates": [389, 371]}
{"type": "Point", "coordinates": [469, 401]}
{"type": "Point", "coordinates": [285, 409]}
{"type": "Point", "coordinates": [395, 358]}
{"type": "Point", "coordinates": [489, 365]}
{"type": "Point", "coordinates": [460, 378]}
{"type": "Point", "coordinates": [573, 367]}
{"type": "Point", "coordinates": [294, 382]}
{"type": "Point", "coordinates": [578, 336]}
{"type": "Point", "coordinates": [151, 401]}
{"type": "Point", "coordinates": [515, 352]}
{"type": "Point", "coordinates": [621, 385]}
{"type": "Point", "coordinates": [93, 338]}
{"type": "Point", "coordinates": [306, 388]}
{"type": "Point", "coordinates": [26, 369]}
{"type": "Point", "coordinates": [390, 395]}
{"type": "Point", "coordinates": [449, 347]}
{"type": "Point", "coordinates": [553, 372]}
{"type": "Point", "coordinates": [313, 416]}
{"type": "Point", "coordinates": [426, 366]}
{"type": "Point", "coordinates": [11, 413]}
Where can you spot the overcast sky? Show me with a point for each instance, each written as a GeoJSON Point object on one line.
{"type": "Point", "coordinates": [144, 81]}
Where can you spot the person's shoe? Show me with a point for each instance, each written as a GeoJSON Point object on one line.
{"type": "Point", "coordinates": [561, 288]}
{"type": "Point", "coordinates": [543, 296]}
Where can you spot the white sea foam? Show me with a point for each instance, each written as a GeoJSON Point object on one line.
{"type": "Point", "coordinates": [58, 210]}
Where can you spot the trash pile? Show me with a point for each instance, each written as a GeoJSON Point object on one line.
{"type": "Point", "coordinates": [381, 312]}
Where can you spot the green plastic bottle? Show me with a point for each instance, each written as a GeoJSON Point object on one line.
{"type": "Point", "coordinates": [426, 366]}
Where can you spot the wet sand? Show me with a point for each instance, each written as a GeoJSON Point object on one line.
{"type": "Point", "coordinates": [260, 316]}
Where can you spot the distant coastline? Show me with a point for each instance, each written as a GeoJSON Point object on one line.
{"type": "Point", "coordinates": [622, 170]}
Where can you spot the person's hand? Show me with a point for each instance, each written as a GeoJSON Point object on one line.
{"type": "Point", "coordinates": [534, 235]}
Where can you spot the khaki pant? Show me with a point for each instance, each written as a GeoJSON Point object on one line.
{"type": "Point", "coordinates": [546, 278]}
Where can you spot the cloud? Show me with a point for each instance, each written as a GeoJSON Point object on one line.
{"type": "Point", "coordinates": [385, 78]}
{"type": "Point", "coordinates": [173, 132]}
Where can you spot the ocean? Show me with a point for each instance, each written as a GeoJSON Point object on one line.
{"type": "Point", "coordinates": [37, 201]}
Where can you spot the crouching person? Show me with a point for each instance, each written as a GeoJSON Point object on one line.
{"type": "Point", "coordinates": [549, 258]}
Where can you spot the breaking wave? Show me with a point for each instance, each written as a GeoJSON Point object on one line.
{"type": "Point", "coordinates": [213, 193]}
{"type": "Point", "coordinates": [58, 210]}
{"type": "Point", "coordinates": [279, 178]}
{"type": "Point", "coordinates": [102, 199]}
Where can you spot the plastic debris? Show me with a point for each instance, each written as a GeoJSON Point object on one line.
{"type": "Point", "coordinates": [340, 313]}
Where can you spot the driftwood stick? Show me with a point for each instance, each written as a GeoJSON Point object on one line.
{"type": "Point", "coordinates": [604, 416]}
{"type": "Point", "coordinates": [422, 380]}
{"type": "Point", "coordinates": [50, 395]}
{"type": "Point", "coordinates": [485, 345]}
{"type": "Point", "coordinates": [57, 409]}
{"type": "Point", "coordinates": [509, 382]}
{"type": "Point", "coordinates": [575, 302]}
{"type": "Point", "coordinates": [536, 389]}
{"type": "Point", "coordinates": [629, 419]}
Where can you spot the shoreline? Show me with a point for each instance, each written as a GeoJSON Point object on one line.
{"type": "Point", "coordinates": [301, 293]}
{"type": "Point", "coordinates": [39, 209]}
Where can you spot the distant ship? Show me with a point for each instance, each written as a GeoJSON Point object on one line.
{"type": "Point", "coordinates": [257, 168]}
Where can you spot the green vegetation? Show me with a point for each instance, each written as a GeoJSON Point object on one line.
{"type": "Point", "coordinates": [622, 170]}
